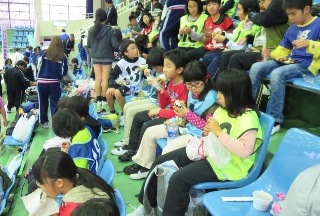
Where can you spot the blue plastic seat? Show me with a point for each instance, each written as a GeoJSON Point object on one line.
{"type": "Point", "coordinates": [316, 2]}
{"type": "Point", "coordinates": [18, 45]}
{"type": "Point", "coordinates": [92, 112]}
{"type": "Point", "coordinates": [103, 150]}
{"type": "Point", "coordinates": [14, 39]}
{"type": "Point", "coordinates": [306, 85]}
{"type": "Point", "coordinates": [20, 33]}
{"type": "Point", "coordinates": [19, 39]}
{"type": "Point", "coordinates": [107, 172]}
{"type": "Point", "coordinates": [267, 123]}
{"type": "Point", "coordinates": [25, 33]}
{"type": "Point", "coordinates": [298, 151]}
{"type": "Point", "coordinates": [15, 33]}
{"type": "Point", "coordinates": [6, 195]}
{"type": "Point", "coordinates": [13, 45]}
{"type": "Point", "coordinates": [120, 202]}
{"type": "Point", "coordinates": [86, 93]}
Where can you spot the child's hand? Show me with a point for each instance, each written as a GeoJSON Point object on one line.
{"type": "Point", "coordinates": [207, 32]}
{"type": "Point", "coordinates": [65, 146]}
{"type": "Point", "coordinates": [147, 72]}
{"type": "Point", "coordinates": [301, 43]}
{"type": "Point", "coordinates": [161, 84]}
{"type": "Point", "coordinates": [206, 130]}
{"type": "Point", "coordinates": [245, 21]}
{"type": "Point", "coordinates": [242, 41]}
{"type": "Point", "coordinates": [150, 80]}
{"type": "Point", "coordinates": [188, 30]}
{"type": "Point", "coordinates": [5, 123]}
{"type": "Point", "coordinates": [180, 112]}
{"type": "Point", "coordinates": [111, 91]}
{"type": "Point", "coordinates": [153, 113]}
{"type": "Point", "coordinates": [214, 127]}
{"type": "Point", "coordinates": [219, 38]}
{"type": "Point", "coordinates": [265, 54]}
{"type": "Point", "coordinates": [182, 31]}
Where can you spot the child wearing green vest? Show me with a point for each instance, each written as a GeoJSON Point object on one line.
{"type": "Point", "coordinates": [237, 128]}
{"type": "Point", "coordinates": [191, 26]}
{"type": "Point", "coordinates": [228, 7]}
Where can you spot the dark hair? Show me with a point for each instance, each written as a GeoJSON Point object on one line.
{"type": "Point", "coordinates": [71, 35]}
{"type": "Point", "coordinates": [142, 24]}
{"type": "Point", "coordinates": [97, 207]}
{"type": "Point", "coordinates": [17, 49]}
{"type": "Point", "coordinates": [139, 10]}
{"type": "Point", "coordinates": [249, 5]}
{"type": "Point", "coordinates": [131, 17]}
{"type": "Point", "coordinates": [197, 71]}
{"type": "Point", "coordinates": [58, 164]}
{"type": "Point", "coordinates": [136, 13]}
{"type": "Point", "coordinates": [21, 63]}
{"type": "Point", "coordinates": [158, 5]}
{"type": "Point", "coordinates": [63, 30]}
{"type": "Point", "coordinates": [27, 54]}
{"type": "Point", "coordinates": [140, 5]}
{"type": "Point", "coordinates": [62, 102]}
{"type": "Point", "coordinates": [109, 1]}
{"type": "Point", "coordinates": [141, 41]}
{"type": "Point", "coordinates": [66, 123]}
{"type": "Point", "coordinates": [146, 10]}
{"type": "Point", "coordinates": [155, 57]}
{"type": "Point", "coordinates": [7, 61]}
{"type": "Point", "coordinates": [75, 60]}
{"type": "Point", "coordinates": [213, 1]}
{"type": "Point", "coordinates": [78, 104]}
{"type": "Point", "coordinates": [41, 43]}
{"type": "Point", "coordinates": [178, 57]}
{"type": "Point", "coordinates": [236, 87]}
{"type": "Point", "coordinates": [199, 6]}
{"type": "Point", "coordinates": [100, 16]}
{"type": "Point", "coordinates": [27, 47]}
{"type": "Point", "coordinates": [296, 4]}
{"type": "Point", "coordinates": [124, 46]}
{"type": "Point", "coordinates": [118, 35]}
{"type": "Point", "coordinates": [55, 51]}
{"type": "Point", "coordinates": [26, 59]}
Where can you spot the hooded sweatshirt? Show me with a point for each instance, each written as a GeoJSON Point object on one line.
{"type": "Point", "coordinates": [103, 45]}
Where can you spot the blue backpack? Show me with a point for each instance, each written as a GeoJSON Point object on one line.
{"type": "Point", "coordinates": [109, 121]}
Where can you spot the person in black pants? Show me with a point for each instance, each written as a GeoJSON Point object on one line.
{"type": "Point", "coordinates": [140, 123]}
{"type": "Point", "coordinates": [112, 13]}
{"type": "Point", "coordinates": [16, 82]}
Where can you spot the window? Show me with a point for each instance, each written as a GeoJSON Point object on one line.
{"type": "Point", "coordinates": [16, 12]}
{"type": "Point", "coordinates": [63, 9]}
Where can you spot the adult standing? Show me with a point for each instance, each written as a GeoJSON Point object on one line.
{"type": "Point", "coordinates": [112, 13]}
{"type": "Point", "coordinates": [69, 44]}
{"type": "Point", "coordinates": [64, 36]}
{"type": "Point", "coordinates": [102, 39]}
{"type": "Point", "coordinates": [53, 64]}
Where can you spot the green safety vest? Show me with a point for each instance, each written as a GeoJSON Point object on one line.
{"type": "Point", "coordinates": [196, 26]}
{"type": "Point", "coordinates": [237, 168]}
{"type": "Point", "coordinates": [232, 10]}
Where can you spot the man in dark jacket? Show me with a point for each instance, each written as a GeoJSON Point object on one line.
{"type": "Point", "coordinates": [69, 44]}
{"type": "Point", "coordinates": [112, 13]}
{"type": "Point", "coordinates": [16, 82]}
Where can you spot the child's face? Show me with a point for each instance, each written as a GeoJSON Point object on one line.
{"type": "Point", "coordinates": [158, 69]}
{"type": "Point", "coordinates": [9, 62]}
{"type": "Point", "coordinates": [265, 4]}
{"type": "Point", "coordinates": [132, 51]}
{"type": "Point", "coordinates": [297, 16]}
{"type": "Point", "coordinates": [49, 187]}
{"type": "Point", "coordinates": [158, 19]}
{"type": "Point", "coordinates": [213, 8]}
{"type": "Point", "coordinates": [169, 69]}
{"type": "Point", "coordinates": [221, 99]}
{"type": "Point", "coordinates": [240, 12]}
{"type": "Point", "coordinates": [146, 19]}
{"type": "Point", "coordinates": [195, 87]}
{"type": "Point", "coordinates": [133, 22]}
{"type": "Point", "coordinates": [193, 8]}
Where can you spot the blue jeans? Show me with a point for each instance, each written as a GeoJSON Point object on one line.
{"type": "Point", "coordinates": [211, 60]}
{"type": "Point", "coordinates": [279, 75]}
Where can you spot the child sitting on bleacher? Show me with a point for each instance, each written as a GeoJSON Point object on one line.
{"type": "Point", "coordinates": [124, 74]}
{"type": "Point", "coordinates": [297, 55]}
{"type": "Point", "coordinates": [97, 206]}
{"type": "Point", "coordinates": [134, 27]}
{"type": "Point", "coordinates": [146, 23]}
{"type": "Point", "coordinates": [75, 67]}
{"type": "Point", "coordinates": [228, 7]}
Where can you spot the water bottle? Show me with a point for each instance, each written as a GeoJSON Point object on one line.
{"type": "Point", "coordinates": [155, 84]}
{"type": "Point", "coordinates": [172, 128]}
{"type": "Point", "coordinates": [249, 49]}
{"type": "Point", "coordinates": [132, 89]}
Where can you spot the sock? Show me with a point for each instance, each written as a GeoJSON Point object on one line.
{"type": "Point", "coordinates": [113, 111]}
{"type": "Point", "coordinates": [104, 99]}
{"type": "Point", "coordinates": [99, 98]}
{"type": "Point", "coordinates": [276, 124]}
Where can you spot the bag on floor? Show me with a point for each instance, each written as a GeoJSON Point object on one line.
{"type": "Point", "coordinates": [11, 126]}
{"type": "Point", "coordinates": [23, 128]}
{"type": "Point", "coordinates": [33, 98]}
{"type": "Point", "coordinates": [164, 172]}
{"type": "Point", "coordinates": [6, 181]}
{"type": "Point", "coordinates": [29, 106]}
{"type": "Point", "coordinates": [109, 121]}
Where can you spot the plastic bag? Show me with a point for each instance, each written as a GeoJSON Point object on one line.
{"type": "Point", "coordinates": [197, 148]}
{"type": "Point", "coordinates": [217, 153]}
{"type": "Point", "coordinates": [22, 129]}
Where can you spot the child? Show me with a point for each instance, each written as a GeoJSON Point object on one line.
{"type": "Point", "coordinates": [143, 45]}
{"type": "Point", "coordinates": [26, 52]}
{"type": "Point", "coordinates": [83, 150]}
{"type": "Point", "coordinates": [56, 173]}
{"type": "Point", "coordinates": [244, 7]}
{"type": "Point", "coordinates": [29, 72]}
{"type": "Point", "coordinates": [97, 206]}
{"type": "Point", "coordinates": [300, 44]}
{"type": "Point", "coordinates": [82, 52]}
{"type": "Point", "coordinates": [153, 36]}
{"type": "Point", "coordinates": [123, 75]}
{"type": "Point", "coordinates": [75, 67]}
{"type": "Point", "coordinates": [201, 99]}
{"type": "Point", "coordinates": [155, 60]}
{"type": "Point", "coordinates": [228, 7]}
{"type": "Point", "coordinates": [146, 23]}
{"type": "Point", "coordinates": [238, 116]}
{"type": "Point", "coordinates": [191, 26]}
{"type": "Point", "coordinates": [214, 21]}
{"type": "Point", "coordinates": [7, 64]}
{"type": "Point", "coordinates": [134, 27]}
{"type": "Point", "coordinates": [173, 67]}
{"type": "Point", "coordinates": [18, 56]}
{"type": "Point", "coordinates": [156, 9]}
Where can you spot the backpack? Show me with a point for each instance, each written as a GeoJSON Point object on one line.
{"type": "Point", "coordinates": [263, 97]}
{"type": "Point", "coordinates": [109, 121]}
{"type": "Point", "coordinates": [164, 172]}
{"type": "Point", "coordinates": [5, 179]}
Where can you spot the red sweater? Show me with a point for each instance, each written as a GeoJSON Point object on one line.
{"type": "Point", "coordinates": [172, 93]}
{"type": "Point", "coordinates": [146, 30]}
{"type": "Point", "coordinates": [67, 209]}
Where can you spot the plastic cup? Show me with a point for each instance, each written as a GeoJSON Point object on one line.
{"type": "Point", "coordinates": [261, 200]}
{"type": "Point", "coordinates": [248, 26]}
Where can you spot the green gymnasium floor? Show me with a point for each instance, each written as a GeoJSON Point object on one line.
{"type": "Point", "coordinates": [127, 187]}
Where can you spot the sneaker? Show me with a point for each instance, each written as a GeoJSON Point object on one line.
{"type": "Point", "coordinates": [138, 212]}
{"type": "Point", "coordinates": [275, 129]}
{"type": "Point", "coordinates": [104, 103]}
{"type": "Point", "coordinates": [127, 156]}
{"type": "Point", "coordinates": [44, 125]}
{"type": "Point", "coordinates": [143, 173]}
{"type": "Point", "coordinates": [99, 103]}
{"type": "Point", "coordinates": [122, 121]}
{"type": "Point", "coordinates": [131, 169]}
{"type": "Point", "coordinates": [119, 143]}
{"type": "Point", "coordinates": [119, 151]}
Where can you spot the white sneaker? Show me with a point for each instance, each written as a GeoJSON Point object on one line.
{"type": "Point", "coordinates": [119, 143]}
{"type": "Point", "coordinates": [275, 129]}
{"type": "Point", "coordinates": [122, 121]}
{"type": "Point", "coordinates": [104, 103]}
{"type": "Point", "coordinates": [143, 173]}
{"type": "Point", "coordinates": [137, 212]}
{"type": "Point", "coordinates": [99, 103]}
{"type": "Point", "coordinates": [119, 151]}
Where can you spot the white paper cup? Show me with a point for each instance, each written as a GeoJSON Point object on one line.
{"type": "Point", "coordinates": [248, 26]}
{"type": "Point", "coordinates": [261, 200]}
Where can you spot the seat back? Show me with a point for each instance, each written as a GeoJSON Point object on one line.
{"type": "Point", "coordinates": [107, 172]}
{"type": "Point", "coordinates": [120, 202]}
{"type": "Point", "coordinates": [6, 194]}
{"type": "Point", "coordinates": [103, 151]}
{"type": "Point", "coordinates": [92, 113]}
{"type": "Point", "coordinates": [14, 165]}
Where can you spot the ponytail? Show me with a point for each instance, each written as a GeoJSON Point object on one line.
{"type": "Point", "coordinates": [101, 16]}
